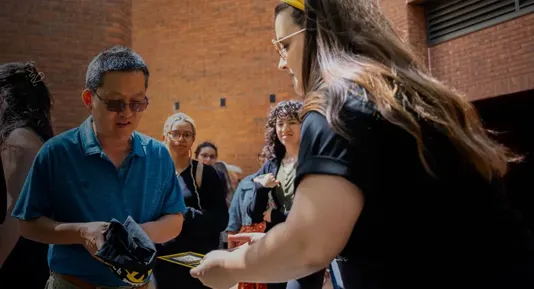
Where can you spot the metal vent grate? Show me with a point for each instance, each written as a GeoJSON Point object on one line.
{"type": "Point", "coordinates": [525, 3]}
{"type": "Point", "coordinates": [453, 18]}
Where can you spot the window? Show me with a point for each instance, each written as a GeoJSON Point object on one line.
{"type": "Point", "coordinates": [453, 18]}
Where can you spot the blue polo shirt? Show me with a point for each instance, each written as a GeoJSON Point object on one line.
{"type": "Point", "coordinates": [72, 180]}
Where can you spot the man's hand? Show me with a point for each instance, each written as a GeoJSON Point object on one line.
{"type": "Point", "coordinates": [93, 236]}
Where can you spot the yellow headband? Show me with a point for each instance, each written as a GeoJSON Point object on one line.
{"type": "Point", "coordinates": [299, 4]}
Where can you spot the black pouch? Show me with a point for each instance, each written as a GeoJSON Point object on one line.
{"type": "Point", "coordinates": [128, 252]}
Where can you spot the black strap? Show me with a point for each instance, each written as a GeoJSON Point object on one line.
{"type": "Point", "coordinates": [3, 194]}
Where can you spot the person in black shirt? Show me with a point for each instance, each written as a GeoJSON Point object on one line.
{"type": "Point", "coordinates": [25, 124]}
{"type": "Point", "coordinates": [396, 174]}
{"type": "Point", "coordinates": [208, 154]}
{"type": "Point", "coordinates": [204, 196]}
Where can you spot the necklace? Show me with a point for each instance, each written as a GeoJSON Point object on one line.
{"type": "Point", "coordinates": [289, 160]}
{"type": "Point", "coordinates": [288, 164]}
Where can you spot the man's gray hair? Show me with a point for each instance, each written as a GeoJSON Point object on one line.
{"type": "Point", "coordinates": [116, 58]}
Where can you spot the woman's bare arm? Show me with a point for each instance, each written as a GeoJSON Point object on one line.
{"type": "Point", "coordinates": [317, 229]}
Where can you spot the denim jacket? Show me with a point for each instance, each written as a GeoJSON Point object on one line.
{"type": "Point", "coordinates": [260, 197]}
{"type": "Point", "coordinates": [240, 203]}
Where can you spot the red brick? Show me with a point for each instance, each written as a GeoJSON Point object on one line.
{"type": "Point", "coordinates": [409, 20]}
{"type": "Point", "coordinates": [200, 51]}
{"type": "Point", "coordinates": [62, 37]}
{"type": "Point", "coordinates": [495, 61]}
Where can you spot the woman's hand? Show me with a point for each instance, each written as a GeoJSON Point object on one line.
{"type": "Point", "coordinates": [250, 238]}
{"type": "Point", "coordinates": [267, 180]}
{"type": "Point", "coordinates": [267, 215]}
{"type": "Point", "coordinates": [211, 271]}
{"type": "Point", "coordinates": [231, 244]}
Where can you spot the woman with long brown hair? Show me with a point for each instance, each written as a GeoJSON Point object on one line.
{"type": "Point", "coordinates": [396, 176]}
{"type": "Point", "coordinates": [25, 125]}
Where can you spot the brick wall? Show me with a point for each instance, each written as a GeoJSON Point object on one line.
{"type": "Point", "coordinates": [495, 61]}
{"type": "Point", "coordinates": [409, 20]}
{"type": "Point", "coordinates": [201, 51]}
{"type": "Point", "coordinates": [62, 37]}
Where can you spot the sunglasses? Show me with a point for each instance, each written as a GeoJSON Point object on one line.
{"type": "Point", "coordinates": [120, 105]}
{"type": "Point", "coordinates": [280, 47]}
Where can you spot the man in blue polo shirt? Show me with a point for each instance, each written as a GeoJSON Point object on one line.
{"type": "Point", "coordinates": [104, 169]}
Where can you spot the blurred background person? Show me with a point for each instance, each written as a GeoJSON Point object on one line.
{"type": "Point", "coordinates": [207, 153]}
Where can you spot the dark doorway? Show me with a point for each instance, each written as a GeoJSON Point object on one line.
{"type": "Point", "coordinates": [511, 116]}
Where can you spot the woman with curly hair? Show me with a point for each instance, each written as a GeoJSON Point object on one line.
{"type": "Point", "coordinates": [274, 182]}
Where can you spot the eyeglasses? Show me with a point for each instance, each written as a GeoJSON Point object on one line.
{"type": "Point", "coordinates": [176, 135]}
{"type": "Point", "coordinates": [280, 48]}
{"type": "Point", "coordinates": [120, 105]}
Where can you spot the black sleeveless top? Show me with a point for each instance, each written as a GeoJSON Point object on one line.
{"type": "Point", "coordinates": [26, 256]}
